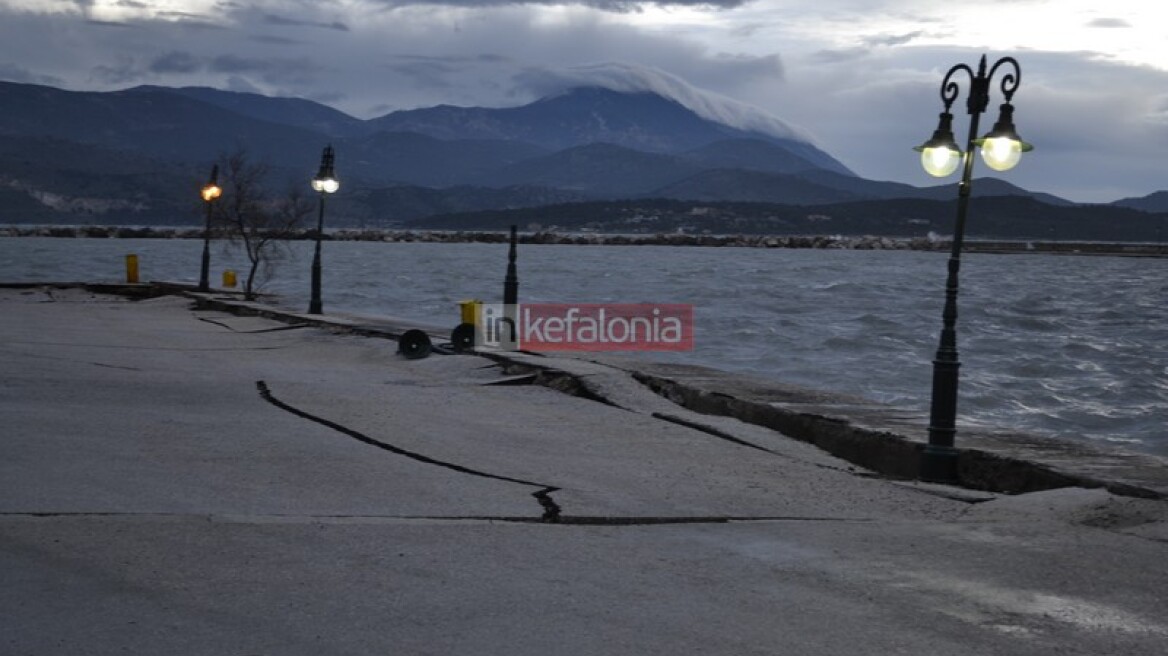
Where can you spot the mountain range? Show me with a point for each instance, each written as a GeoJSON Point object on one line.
{"type": "Point", "coordinates": [138, 156]}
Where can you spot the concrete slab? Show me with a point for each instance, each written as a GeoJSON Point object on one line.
{"type": "Point", "coordinates": [180, 480]}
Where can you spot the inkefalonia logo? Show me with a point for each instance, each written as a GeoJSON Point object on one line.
{"type": "Point", "coordinates": [584, 327]}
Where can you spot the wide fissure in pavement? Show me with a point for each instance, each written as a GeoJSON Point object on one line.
{"type": "Point", "coordinates": [566, 520]}
{"type": "Point", "coordinates": [551, 510]}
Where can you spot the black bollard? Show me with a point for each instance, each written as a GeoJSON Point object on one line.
{"type": "Point", "coordinates": [511, 282]}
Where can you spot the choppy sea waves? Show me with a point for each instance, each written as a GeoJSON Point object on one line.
{"type": "Point", "coordinates": [1069, 346]}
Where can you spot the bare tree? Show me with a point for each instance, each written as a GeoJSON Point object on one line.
{"type": "Point", "coordinates": [261, 220]}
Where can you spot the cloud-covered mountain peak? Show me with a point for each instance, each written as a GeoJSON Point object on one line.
{"type": "Point", "coordinates": [649, 113]}
{"type": "Point", "coordinates": [627, 78]}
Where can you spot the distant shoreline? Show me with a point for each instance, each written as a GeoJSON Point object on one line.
{"type": "Point", "coordinates": [838, 242]}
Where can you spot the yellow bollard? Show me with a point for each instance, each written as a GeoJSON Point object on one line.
{"type": "Point", "coordinates": [229, 279]}
{"type": "Point", "coordinates": [468, 310]}
{"type": "Point", "coordinates": [132, 269]}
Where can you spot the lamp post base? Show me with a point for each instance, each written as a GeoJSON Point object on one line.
{"type": "Point", "coordinates": [314, 302]}
{"type": "Point", "coordinates": [939, 464]}
{"type": "Point", "coordinates": [205, 268]}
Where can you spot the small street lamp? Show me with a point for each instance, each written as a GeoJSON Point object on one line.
{"type": "Point", "coordinates": [1001, 148]}
{"type": "Point", "coordinates": [324, 183]}
{"type": "Point", "coordinates": [210, 192]}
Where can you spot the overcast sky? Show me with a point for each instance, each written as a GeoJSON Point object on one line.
{"type": "Point", "coordinates": [861, 78]}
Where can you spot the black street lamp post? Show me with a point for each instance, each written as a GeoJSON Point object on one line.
{"type": "Point", "coordinates": [210, 192]}
{"type": "Point", "coordinates": [1001, 149]}
{"type": "Point", "coordinates": [511, 292]}
{"type": "Point", "coordinates": [324, 183]}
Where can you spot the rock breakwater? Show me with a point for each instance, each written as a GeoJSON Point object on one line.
{"type": "Point", "coordinates": [930, 242]}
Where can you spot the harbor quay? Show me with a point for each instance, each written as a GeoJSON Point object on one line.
{"type": "Point", "coordinates": [188, 473]}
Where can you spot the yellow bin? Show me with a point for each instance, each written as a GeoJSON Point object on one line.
{"type": "Point", "coordinates": [132, 269]}
{"type": "Point", "coordinates": [229, 279]}
{"type": "Point", "coordinates": [469, 310]}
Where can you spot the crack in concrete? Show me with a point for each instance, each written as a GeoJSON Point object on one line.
{"type": "Point", "coordinates": [586, 520]}
{"type": "Point", "coordinates": [294, 326]}
{"type": "Point", "coordinates": [55, 358]}
{"type": "Point", "coordinates": [710, 430]}
{"type": "Point", "coordinates": [721, 434]}
{"type": "Point", "coordinates": [551, 510]}
{"type": "Point", "coordinates": [136, 347]}
{"type": "Point", "coordinates": [567, 520]}
{"type": "Point", "coordinates": [114, 366]}
{"type": "Point", "coordinates": [577, 385]}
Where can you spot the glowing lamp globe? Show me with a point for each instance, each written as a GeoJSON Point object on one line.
{"type": "Point", "coordinates": [326, 181]}
{"type": "Point", "coordinates": [1001, 148]}
{"type": "Point", "coordinates": [211, 192]}
{"type": "Point", "coordinates": [1001, 153]}
{"type": "Point", "coordinates": [940, 161]}
{"type": "Point", "coordinates": [940, 155]}
{"type": "Point", "coordinates": [325, 185]}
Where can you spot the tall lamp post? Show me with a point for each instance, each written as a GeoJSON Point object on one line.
{"type": "Point", "coordinates": [324, 183]}
{"type": "Point", "coordinates": [210, 192]}
{"type": "Point", "coordinates": [1001, 149]}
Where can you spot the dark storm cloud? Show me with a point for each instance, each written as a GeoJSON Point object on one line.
{"type": "Point", "coordinates": [180, 16]}
{"type": "Point", "coordinates": [273, 19]}
{"type": "Point", "coordinates": [765, 67]}
{"type": "Point", "coordinates": [132, 4]}
{"type": "Point", "coordinates": [618, 6]}
{"type": "Point", "coordinates": [454, 60]}
{"type": "Point", "coordinates": [275, 40]}
{"type": "Point", "coordinates": [893, 39]}
{"type": "Point", "coordinates": [299, 72]}
{"type": "Point", "coordinates": [426, 74]}
{"type": "Point", "coordinates": [863, 77]}
{"type": "Point", "coordinates": [238, 64]}
{"type": "Point", "coordinates": [430, 73]}
{"type": "Point", "coordinates": [635, 78]}
{"type": "Point", "coordinates": [242, 85]}
{"type": "Point", "coordinates": [14, 73]}
{"type": "Point", "coordinates": [123, 71]}
{"type": "Point", "coordinates": [176, 62]}
{"type": "Point", "coordinates": [98, 23]}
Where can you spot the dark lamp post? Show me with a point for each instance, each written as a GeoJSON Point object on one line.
{"type": "Point", "coordinates": [210, 192]}
{"type": "Point", "coordinates": [1001, 149]}
{"type": "Point", "coordinates": [324, 183]}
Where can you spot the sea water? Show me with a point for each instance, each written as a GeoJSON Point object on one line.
{"type": "Point", "coordinates": [1069, 346]}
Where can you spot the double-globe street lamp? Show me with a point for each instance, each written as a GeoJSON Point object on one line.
{"type": "Point", "coordinates": [210, 192]}
{"type": "Point", "coordinates": [1001, 150]}
{"type": "Point", "coordinates": [324, 183]}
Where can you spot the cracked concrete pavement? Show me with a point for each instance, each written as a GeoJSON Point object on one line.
{"type": "Point", "coordinates": [183, 481]}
